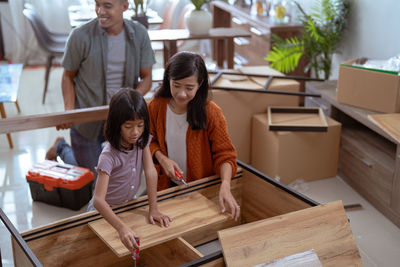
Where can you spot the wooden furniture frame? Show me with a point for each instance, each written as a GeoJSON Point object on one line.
{"type": "Point", "coordinates": [222, 36]}
{"type": "Point", "coordinates": [369, 158]}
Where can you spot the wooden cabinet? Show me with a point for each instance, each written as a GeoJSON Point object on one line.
{"type": "Point", "coordinates": [369, 159]}
{"type": "Point", "coordinates": [253, 50]}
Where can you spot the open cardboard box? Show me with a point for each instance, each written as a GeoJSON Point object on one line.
{"type": "Point", "coordinates": [368, 88]}
{"type": "Point", "coordinates": [295, 155]}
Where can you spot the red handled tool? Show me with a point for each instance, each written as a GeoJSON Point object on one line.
{"type": "Point", "coordinates": [179, 175]}
{"type": "Point", "coordinates": [135, 255]}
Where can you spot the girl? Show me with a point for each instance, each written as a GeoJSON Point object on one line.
{"type": "Point", "coordinates": [120, 163]}
{"type": "Point", "coordinates": [189, 131]}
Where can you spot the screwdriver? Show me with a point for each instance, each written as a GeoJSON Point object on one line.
{"type": "Point", "coordinates": [179, 175]}
{"type": "Point", "coordinates": [135, 255]}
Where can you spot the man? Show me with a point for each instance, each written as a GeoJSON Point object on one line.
{"type": "Point", "coordinates": [101, 56]}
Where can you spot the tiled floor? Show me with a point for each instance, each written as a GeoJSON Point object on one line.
{"type": "Point", "coordinates": [377, 238]}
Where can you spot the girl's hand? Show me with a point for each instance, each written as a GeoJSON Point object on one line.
{"type": "Point", "coordinates": [169, 166]}
{"type": "Point", "coordinates": [155, 215]}
{"type": "Point", "coordinates": [225, 196]}
{"type": "Point", "coordinates": [127, 237]}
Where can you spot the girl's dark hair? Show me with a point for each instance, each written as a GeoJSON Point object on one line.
{"type": "Point", "coordinates": [127, 104]}
{"type": "Point", "coordinates": [183, 65]}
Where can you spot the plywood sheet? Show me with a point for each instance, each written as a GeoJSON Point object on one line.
{"type": "Point", "coordinates": [324, 228]}
{"type": "Point", "coordinates": [189, 212]}
{"type": "Point", "coordinates": [390, 123]}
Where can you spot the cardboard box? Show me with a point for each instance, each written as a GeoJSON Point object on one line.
{"type": "Point", "coordinates": [295, 155]}
{"type": "Point", "coordinates": [368, 88]}
{"type": "Point", "coordinates": [239, 107]}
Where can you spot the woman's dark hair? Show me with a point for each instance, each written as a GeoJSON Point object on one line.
{"type": "Point", "coordinates": [127, 104]}
{"type": "Point", "coordinates": [183, 65]}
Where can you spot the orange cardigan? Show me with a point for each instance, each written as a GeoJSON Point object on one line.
{"type": "Point", "coordinates": [206, 150]}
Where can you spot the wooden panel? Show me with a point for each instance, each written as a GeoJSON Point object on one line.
{"type": "Point", "coordinates": [171, 253]}
{"type": "Point", "coordinates": [20, 259]}
{"type": "Point", "coordinates": [315, 228]}
{"type": "Point", "coordinates": [262, 200]}
{"type": "Point", "coordinates": [190, 212]}
{"type": "Point", "coordinates": [33, 122]}
{"type": "Point", "coordinates": [390, 123]}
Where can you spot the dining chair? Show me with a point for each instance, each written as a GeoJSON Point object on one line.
{"type": "Point", "coordinates": [53, 43]}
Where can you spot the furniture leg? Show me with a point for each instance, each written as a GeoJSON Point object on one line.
{"type": "Point", "coordinates": [220, 53]}
{"type": "Point", "coordinates": [230, 51]}
{"type": "Point", "coordinates": [170, 49]}
{"type": "Point", "coordinates": [17, 105]}
{"type": "Point", "coordinates": [3, 115]}
{"type": "Point", "coordinates": [46, 76]}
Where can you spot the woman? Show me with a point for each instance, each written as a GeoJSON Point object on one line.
{"type": "Point", "coordinates": [189, 131]}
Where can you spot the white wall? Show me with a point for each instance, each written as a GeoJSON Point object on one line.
{"type": "Point", "coordinates": [373, 31]}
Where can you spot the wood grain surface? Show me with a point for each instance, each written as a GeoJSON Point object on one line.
{"type": "Point", "coordinates": [189, 212]}
{"type": "Point", "coordinates": [324, 228]}
{"type": "Point", "coordinates": [390, 123]}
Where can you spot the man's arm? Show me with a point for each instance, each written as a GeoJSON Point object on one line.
{"type": "Point", "coordinates": [68, 89]}
{"type": "Point", "coordinates": [146, 81]}
{"type": "Point", "coordinates": [68, 92]}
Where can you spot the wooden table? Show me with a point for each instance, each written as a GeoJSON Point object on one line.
{"type": "Point", "coordinates": [223, 36]}
{"type": "Point", "coordinates": [79, 14]}
{"type": "Point", "coordinates": [9, 83]}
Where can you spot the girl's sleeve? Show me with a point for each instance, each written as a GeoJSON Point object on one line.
{"type": "Point", "coordinates": [222, 149]}
{"type": "Point", "coordinates": [105, 163]}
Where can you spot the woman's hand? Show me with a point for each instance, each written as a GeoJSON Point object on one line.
{"type": "Point", "coordinates": [169, 166]}
{"type": "Point", "coordinates": [226, 198]}
{"type": "Point", "coordinates": [155, 215]}
{"type": "Point", "coordinates": [127, 237]}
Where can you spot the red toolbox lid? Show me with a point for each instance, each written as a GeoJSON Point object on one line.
{"type": "Point", "coordinates": [53, 174]}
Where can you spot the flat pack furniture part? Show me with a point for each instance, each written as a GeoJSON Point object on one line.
{"type": "Point", "coordinates": [258, 88]}
{"type": "Point", "coordinates": [296, 119]}
{"type": "Point", "coordinates": [190, 212]}
{"type": "Point", "coordinates": [324, 228]}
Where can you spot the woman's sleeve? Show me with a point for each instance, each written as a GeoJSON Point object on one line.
{"type": "Point", "coordinates": [222, 149]}
{"type": "Point", "coordinates": [154, 144]}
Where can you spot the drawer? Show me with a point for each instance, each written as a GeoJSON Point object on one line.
{"type": "Point", "coordinates": [369, 175]}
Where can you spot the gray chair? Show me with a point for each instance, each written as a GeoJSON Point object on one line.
{"type": "Point", "coordinates": [53, 43]}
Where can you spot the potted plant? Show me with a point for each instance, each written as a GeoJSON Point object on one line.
{"type": "Point", "coordinates": [322, 33]}
{"type": "Point", "coordinates": [198, 21]}
{"type": "Point", "coordinates": [139, 8]}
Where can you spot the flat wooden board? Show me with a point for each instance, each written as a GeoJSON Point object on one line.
{"type": "Point", "coordinates": [389, 123]}
{"type": "Point", "coordinates": [189, 212]}
{"type": "Point", "coordinates": [324, 228]}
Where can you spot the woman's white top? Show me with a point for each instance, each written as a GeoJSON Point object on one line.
{"type": "Point", "coordinates": [175, 137]}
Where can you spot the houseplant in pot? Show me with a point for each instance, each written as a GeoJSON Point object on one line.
{"type": "Point", "coordinates": [139, 8]}
{"type": "Point", "coordinates": [198, 21]}
{"type": "Point", "coordinates": [322, 33]}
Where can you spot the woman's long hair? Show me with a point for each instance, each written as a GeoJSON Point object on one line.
{"type": "Point", "coordinates": [183, 65]}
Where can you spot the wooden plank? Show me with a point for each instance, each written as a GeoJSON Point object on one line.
{"type": "Point", "coordinates": [171, 253]}
{"type": "Point", "coordinates": [389, 123]}
{"type": "Point", "coordinates": [33, 122]}
{"type": "Point", "coordinates": [183, 34]}
{"type": "Point", "coordinates": [324, 228]}
{"type": "Point", "coordinates": [190, 212]}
